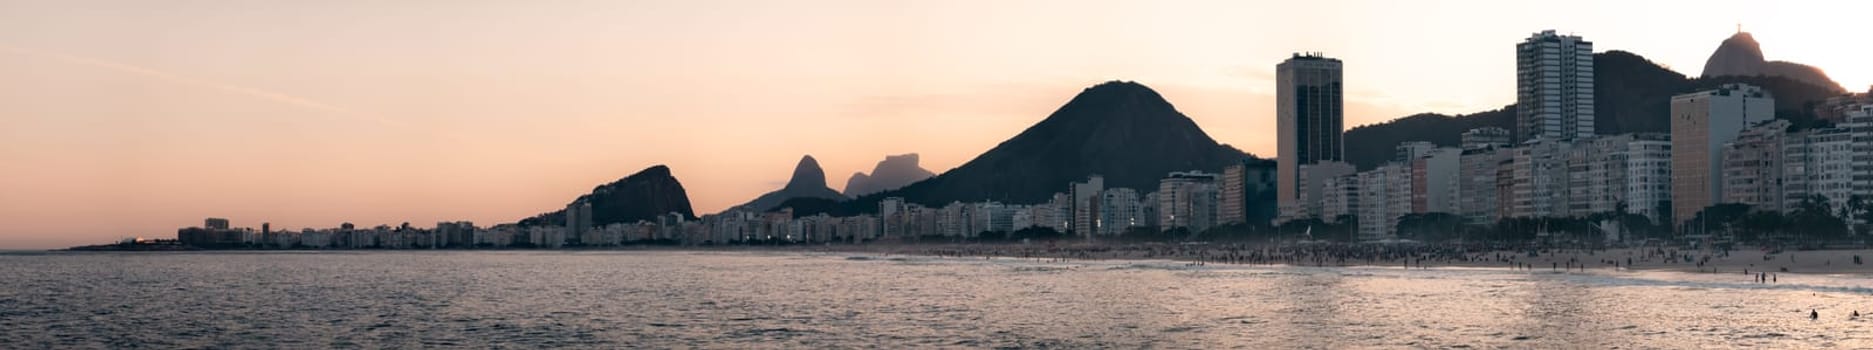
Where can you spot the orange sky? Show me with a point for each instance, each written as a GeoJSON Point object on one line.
{"type": "Point", "coordinates": [126, 118]}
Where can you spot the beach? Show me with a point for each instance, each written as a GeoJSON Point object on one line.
{"type": "Point", "coordinates": [1743, 262]}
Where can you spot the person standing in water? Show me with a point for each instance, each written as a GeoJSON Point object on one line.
{"type": "Point", "coordinates": [1814, 315]}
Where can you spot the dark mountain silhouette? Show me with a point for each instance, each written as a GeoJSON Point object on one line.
{"type": "Point", "coordinates": [891, 173]}
{"type": "Point", "coordinates": [1631, 94]}
{"type": "Point", "coordinates": [808, 182]}
{"type": "Point", "coordinates": [1741, 55]}
{"type": "Point", "coordinates": [1369, 146]}
{"type": "Point", "coordinates": [1121, 130]}
{"type": "Point", "coordinates": [642, 196]}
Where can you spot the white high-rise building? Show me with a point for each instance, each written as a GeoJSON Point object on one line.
{"type": "Point", "coordinates": [953, 220]}
{"type": "Point", "coordinates": [1059, 215]}
{"type": "Point", "coordinates": [1340, 198]}
{"type": "Point", "coordinates": [1609, 172]}
{"type": "Point", "coordinates": [1309, 189]}
{"type": "Point", "coordinates": [1587, 175]}
{"type": "Point", "coordinates": [1478, 196]}
{"type": "Point", "coordinates": [1554, 87]}
{"type": "Point", "coordinates": [1835, 164]}
{"type": "Point", "coordinates": [1022, 218]}
{"type": "Point", "coordinates": [1539, 181]}
{"type": "Point", "coordinates": [993, 217]}
{"type": "Point", "coordinates": [891, 218]}
{"type": "Point", "coordinates": [1118, 211]}
{"type": "Point", "coordinates": [1434, 181]}
{"type": "Point", "coordinates": [1817, 163]}
{"type": "Point", "coordinates": [1188, 200]}
{"type": "Point", "coordinates": [1752, 166]}
{"type": "Point", "coordinates": [1085, 206]}
{"type": "Point", "coordinates": [1648, 176]}
{"type": "Point", "coordinates": [1384, 195]}
{"type": "Point", "coordinates": [1398, 200]}
{"type": "Point", "coordinates": [1859, 121]}
{"type": "Point", "coordinates": [1701, 123]}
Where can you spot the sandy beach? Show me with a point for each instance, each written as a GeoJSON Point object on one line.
{"type": "Point", "coordinates": [1740, 261]}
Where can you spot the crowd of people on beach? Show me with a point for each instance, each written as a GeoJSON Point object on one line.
{"type": "Point", "coordinates": [1318, 254]}
{"type": "Point", "coordinates": [1313, 254]}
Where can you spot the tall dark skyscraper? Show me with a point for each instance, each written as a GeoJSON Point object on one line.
{"type": "Point", "coordinates": [1554, 87]}
{"type": "Point", "coordinates": [1310, 116]}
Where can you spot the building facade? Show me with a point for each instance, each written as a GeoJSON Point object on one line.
{"type": "Point", "coordinates": [1554, 87]}
{"type": "Point", "coordinates": [1309, 120]}
{"type": "Point", "coordinates": [1119, 211]}
{"type": "Point", "coordinates": [1248, 193]}
{"type": "Point", "coordinates": [1384, 195]}
{"type": "Point", "coordinates": [1488, 136]}
{"type": "Point", "coordinates": [1309, 188]}
{"type": "Point", "coordinates": [1434, 181]}
{"type": "Point", "coordinates": [1085, 205]}
{"type": "Point", "coordinates": [1476, 184]}
{"type": "Point", "coordinates": [1752, 166]}
{"type": "Point", "coordinates": [1340, 199]}
{"type": "Point", "coordinates": [1187, 200]}
{"type": "Point", "coordinates": [1701, 124]}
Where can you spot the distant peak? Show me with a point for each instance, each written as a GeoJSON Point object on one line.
{"type": "Point", "coordinates": [1117, 85]}
{"type": "Point", "coordinates": [653, 173]}
{"type": "Point", "coordinates": [807, 174]}
{"type": "Point", "coordinates": [1742, 38]}
{"type": "Point", "coordinates": [907, 158]}
{"type": "Point", "coordinates": [1737, 55]}
{"type": "Point", "coordinates": [893, 172]}
{"type": "Point", "coordinates": [1117, 92]}
{"type": "Point", "coordinates": [1741, 55]}
{"type": "Point", "coordinates": [658, 170]}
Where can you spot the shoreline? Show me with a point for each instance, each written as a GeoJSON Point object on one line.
{"type": "Point", "coordinates": [1811, 262]}
{"type": "Point", "coordinates": [1817, 262]}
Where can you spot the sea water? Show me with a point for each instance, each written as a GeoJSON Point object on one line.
{"type": "Point", "coordinates": [662, 299]}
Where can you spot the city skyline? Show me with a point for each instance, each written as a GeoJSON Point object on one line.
{"type": "Point", "coordinates": [371, 156]}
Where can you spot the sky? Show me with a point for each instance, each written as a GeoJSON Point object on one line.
{"type": "Point", "coordinates": [133, 118]}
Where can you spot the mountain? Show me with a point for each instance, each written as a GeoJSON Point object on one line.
{"type": "Point", "coordinates": [1741, 55]}
{"type": "Point", "coordinates": [808, 182]}
{"type": "Point", "coordinates": [1121, 130]}
{"type": "Point", "coordinates": [642, 196]}
{"type": "Point", "coordinates": [891, 173]}
{"type": "Point", "coordinates": [1631, 94]}
{"type": "Point", "coordinates": [1377, 142]}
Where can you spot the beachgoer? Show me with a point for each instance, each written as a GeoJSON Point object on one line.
{"type": "Point", "coordinates": [1814, 315]}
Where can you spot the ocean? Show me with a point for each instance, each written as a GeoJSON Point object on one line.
{"type": "Point", "coordinates": [737, 300]}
